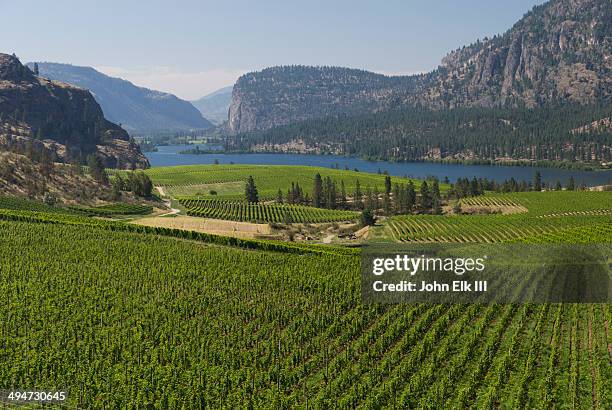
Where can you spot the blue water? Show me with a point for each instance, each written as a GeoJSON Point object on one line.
{"type": "Point", "coordinates": [169, 156]}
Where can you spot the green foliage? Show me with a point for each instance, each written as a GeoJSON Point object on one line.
{"type": "Point", "coordinates": [487, 133]}
{"type": "Point", "coordinates": [539, 214]}
{"type": "Point", "coordinates": [126, 316]}
{"type": "Point", "coordinates": [228, 180]}
{"type": "Point", "coordinates": [367, 217]}
{"type": "Point", "coordinates": [113, 209]}
{"type": "Point", "coordinates": [251, 194]}
{"type": "Point", "coordinates": [96, 168]}
{"type": "Point", "coordinates": [262, 213]}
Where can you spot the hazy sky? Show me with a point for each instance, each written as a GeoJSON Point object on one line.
{"type": "Point", "coordinates": [191, 48]}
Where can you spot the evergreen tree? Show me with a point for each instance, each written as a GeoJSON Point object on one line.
{"type": "Point", "coordinates": [117, 187]}
{"type": "Point", "coordinates": [376, 198]}
{"type": "Point", "coordinates": [46, 163]}
{"type": "Point", "coordinates": [457, 207]}
{"type": "Point", "coordinates": [436, 205]}
{"type": "Point", "coordinates": [396, 203]}
{"type": "Point", "coordinates": [369, 198]}
{"type": "Point", "coordinates": [330, 193]}
{"type": "Point", "coordinates": [558, 186]}
{"type": "Point", "coordinates": [367, 218]}
{"type": "Point", "coordinates": [251, 194]}
{"type": "Point", "coordinates": [435, 189]}
{"type": "Point", "coordinates": [317, 191]}
{"type": "Point", "coordinates": [358, 196]}
{"type": "Point", "coordinates": [96, 169]}
{"type": "Point", "coordinates": [410, 197]}
{"type": "Point", "coordinates": [343, 200]}
{"type": "Point", "coordinates": [279, 197]}
{"type": "Point", "coordinates": [474, 189]}
{"type": "Point", "coordinates": [425, 197]}
{"type": "Point", "coordinates": [387, 185]}
{"type": "Point", "coordinates": [537, 182]}
{"type": "Point", "coordinates": [571, 184]}
{"type": "Point", "coordinates": [36, 70]}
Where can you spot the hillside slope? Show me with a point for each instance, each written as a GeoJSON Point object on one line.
{"type": "Point", "coordinates": [137, 109]}
{"type": "Point", "coordinates": [215, 106]}
{"type": "Point", "coordinates": [65, 119]}
{"type": "Point", "coordinates": [559, 52]}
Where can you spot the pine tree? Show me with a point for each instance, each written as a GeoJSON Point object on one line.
{"type": "Point", "coordinates": [317, 191]}
{"type": "Point", "coordinates": [436, 205]}
{"type": "Point", "coordinates": [279, 197]}
{"type": "Point", "coordinates": [474, 190]}
{"type": "Point", "coordinates": [537, 182]}
{"type": "Point", "coordinates": [367, 218]}
{"type": "Point", "coordinates": [410, 196]}
{"type": "Point", "coordinates": [358, 196]}
{"type": "Point", "coordinates": [46, 163]}
{"type": "Point", "coordinates": [376, 198]}
{"type": "Point", "coordinates": [117, 187]}
{"type": "Point", "coordinates": [387, 185]}
{"type": "Point", "coordinates": [96, 169]}
{"type": "Point", "coordinates": [571, 184]}
{"type": "Point", "coordinates": [457, 207]}
{"type": "Point", "coordinates": [435, 189]}
{"type": "Point", "coordinates": [251, 194]}
{"type": "Point", "coordinates": [343, 200]}
{"type": "Point", "coordinates": [425, 198]}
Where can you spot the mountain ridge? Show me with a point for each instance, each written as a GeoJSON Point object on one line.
{"type": "Point", "coordinates": [138, 109]}
{"type": "Point", "coordinates": [215, 106]}
{"type": "Point", "coordinates": [558, 52]}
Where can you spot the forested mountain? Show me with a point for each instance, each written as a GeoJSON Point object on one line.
{"type": "Point", "coordinates": [214, 106]}
{"type": "Point", "coordinates": [282, 95]}
{"type": "Point", "coordinates": [559, 133]}
{"type": "Point", "coordinates": [59, 120]}
{"type": "Point", "coordinates": [139, 110]}
{"type": "Point", "coordinates": [560, 52]}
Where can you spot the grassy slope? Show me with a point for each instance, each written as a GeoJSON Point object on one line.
{"type": "Point", "coordinates": [228, 180]}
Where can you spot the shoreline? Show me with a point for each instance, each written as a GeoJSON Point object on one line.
{"type": "Point", "coordinates": [572, 166]}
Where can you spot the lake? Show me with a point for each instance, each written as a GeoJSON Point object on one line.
{"type": "Point", "coordinates": [169, 156]}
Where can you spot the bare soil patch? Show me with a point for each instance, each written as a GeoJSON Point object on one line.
{"type": "Point", "coordinates": [243, 230]}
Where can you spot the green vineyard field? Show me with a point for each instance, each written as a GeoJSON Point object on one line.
{"type": "Point", "coordinates": [114, 209]}
{"type": "Point", "coordinates": [228, 180]}
{"type": "Point", "coordinates": [263, 213]}
{"type": "Point", "coordinates": [134, 317]}
{"type": "Point", "coordinates": [546, 214]}
{"type": "Point", "coordinates": [183, 325]}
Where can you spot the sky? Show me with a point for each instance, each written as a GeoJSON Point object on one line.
{"type": "Point", "coordinates": [191, 48]}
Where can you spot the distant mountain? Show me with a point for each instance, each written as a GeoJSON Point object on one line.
{"type": "Point", "coordinates": [560, 52]}
{"type": "Point", "coordinates": [137, 109]}
{"type": "Point", "coordinates": [66, 120]}
{"type": "Point", "coordinates": [215, 106]}
{"type": "Point", "coordinates": [283, 95]}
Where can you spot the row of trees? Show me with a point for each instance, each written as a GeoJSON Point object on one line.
{"type": "Point", "coordinates": [398, 198]}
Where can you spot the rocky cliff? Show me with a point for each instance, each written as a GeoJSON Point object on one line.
{"type": "Point", "coordinates": [282, 95]}
{"type": "Point", "coordinates": [559, 52]}
{"type": "Point", "coordinates": [66, 119]}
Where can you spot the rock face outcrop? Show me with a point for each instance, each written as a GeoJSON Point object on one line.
{"type": "Point", "coordinates": [281, 95]}
{"type": "Point", "coordinates": [59, 115]}
{"type": "Point", "coordinates": [560, 51]}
